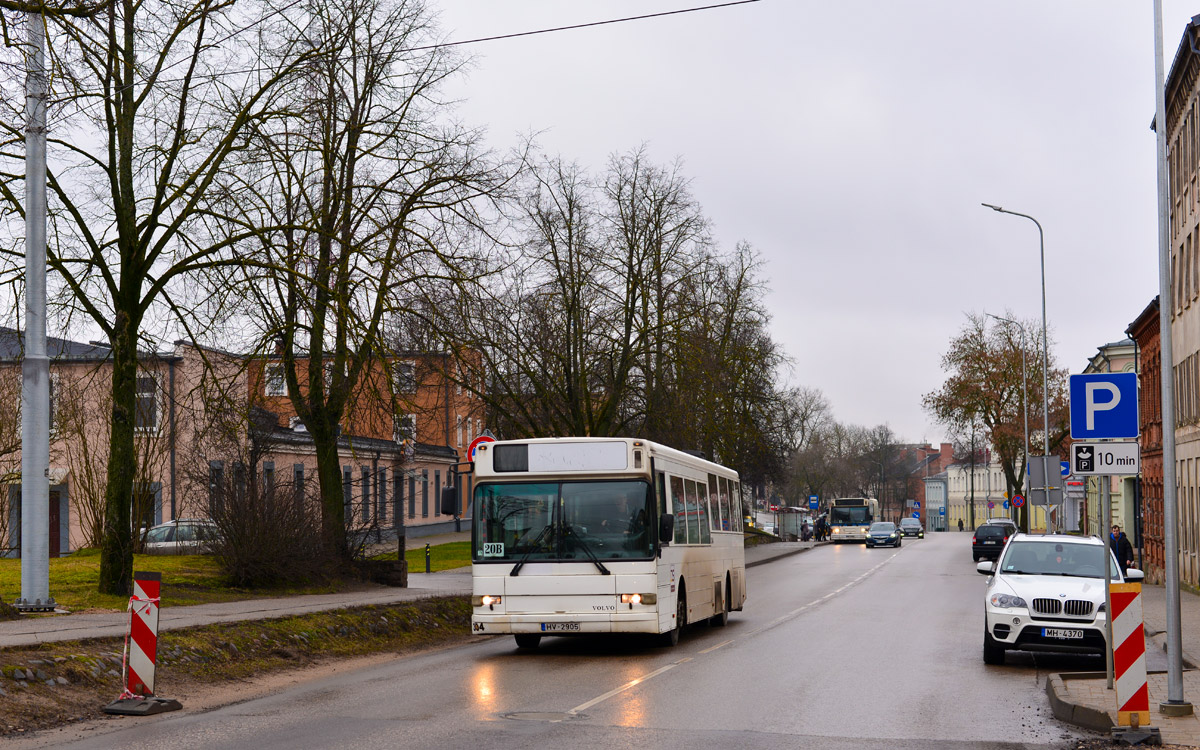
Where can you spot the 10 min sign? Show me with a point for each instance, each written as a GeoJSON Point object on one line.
{"type": "Point", "coordinates": [1119, 459]}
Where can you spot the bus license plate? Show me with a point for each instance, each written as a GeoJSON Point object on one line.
{"type": "Point", "coordinates": [560, 627]}
{"type": "Point", "coordinates": [1061, 633]}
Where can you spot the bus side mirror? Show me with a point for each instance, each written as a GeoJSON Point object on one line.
{"type": "Point", "coordinates": [449, 500]}
{"type": "Point", "coordinates": [666, 527]}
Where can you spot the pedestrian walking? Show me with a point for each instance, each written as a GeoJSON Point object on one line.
{"type": "Point", "coordinates": [1121, 547]}
{"type": "Point", "coordinates": [960, 524]}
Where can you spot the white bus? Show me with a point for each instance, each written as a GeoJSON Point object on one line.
{"type": "Point", "coordinates": [602, 535]}
{"type": "Point", "coordinates": [850, 517]}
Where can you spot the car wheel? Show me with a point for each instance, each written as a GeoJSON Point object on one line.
{"type": "Point", "coordinates": [527, 640]}
{"type": "Point", "coordinates": [993, 651]}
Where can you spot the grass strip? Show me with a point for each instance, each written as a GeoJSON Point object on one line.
{"type": "Point", "coordinates": [64, 682]}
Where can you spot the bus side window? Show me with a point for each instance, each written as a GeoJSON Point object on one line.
{"type": "Point", "coordinates": [679, 509]}
{"type": "Point", "coordinates": [723, 501]}
{"type": "Point", "coordinates": [660, 494]}
{"type": "Point", "coordinates": [714, 506]}
{"type": "Point", "coordinates": [736, 491]}
{"type": "Point", "coordinates": [703, 513]}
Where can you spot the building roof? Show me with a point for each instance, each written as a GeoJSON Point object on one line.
{"type": "Point", "coordinates": [12, 346]}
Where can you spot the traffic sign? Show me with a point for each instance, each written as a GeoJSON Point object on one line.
{"type": "Point", "coordinates": [476, 443]}
{"type": "Point", "coordinates": [1110, 459]}
{"type": "Point", "coordinates": [1018, 500]}
{"type": "Point", "coordinates": [1104, 406]}
{"type": "Point", "coordinates": [916, 503]}
{"type": "Point", "coordinates": [1064, 468]}
{"type": "Point", "coordinates": [1006, 505]}
{"type": "Point", "coordinates": [991, 505]}
{"type": "Point", "coordinates": [812, 502]}
{"type": "Point", "coordinates": [942, 511]}
{"type": "Point", "coordinates": [916, 515]}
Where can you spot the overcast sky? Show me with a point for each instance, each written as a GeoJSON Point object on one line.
{"type": "Point", "coordinates": [851, 143]}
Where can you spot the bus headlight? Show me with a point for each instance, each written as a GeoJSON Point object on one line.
{"type": "Point", "coordinates": [487, 600]}
{"type": "Point", "coordinates": [632, 599]}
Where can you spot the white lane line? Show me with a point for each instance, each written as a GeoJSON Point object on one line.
{"type": "Point", "coordinates": [623, 688]}
{"type": "Point", "coordinates": [714, 648]}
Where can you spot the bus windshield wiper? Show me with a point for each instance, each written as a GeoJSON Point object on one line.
{"type": "Point", "coordinates": [532, 546]}
{"type": "Point", "coordinates": [588, 551]}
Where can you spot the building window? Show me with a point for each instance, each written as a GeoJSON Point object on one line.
{"type": "Point", "coordinates": [146, 408]}
{"type": "Point", "coordinates": [274, 383]}
{"type": "Point", "coordinates": [405, 428]}
{"type": "Point", "coordinates": [404, 375]}
{"type": "Point", "coordinates": [460, 431]}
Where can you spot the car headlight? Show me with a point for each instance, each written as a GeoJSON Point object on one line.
{"type": "Point", "coordinates": [1103, 607]}
{"type": "Point", "coordinates": [1005, 600]}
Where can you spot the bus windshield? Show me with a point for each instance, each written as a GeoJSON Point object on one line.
{"type": "Point", "coordinates": [849, 515]}
{"type": "Point", "coordinates": [562, 521]}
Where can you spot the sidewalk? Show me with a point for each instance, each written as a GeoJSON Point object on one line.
{"type": "Point", "coordinates": [32, 630]}
{"type": "Point", "coordinates": [1083, 698]}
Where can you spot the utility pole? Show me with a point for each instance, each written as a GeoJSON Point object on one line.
{"type": "Point", "coordinates": [971, 509]}
{"type": "Point", "coordinates": [1175, 705]}
{"type": "Point", "coordinates": [35, 365]}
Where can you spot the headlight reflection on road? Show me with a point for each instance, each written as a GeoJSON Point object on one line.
{"type": "Point", "coordinates": [485, 694]}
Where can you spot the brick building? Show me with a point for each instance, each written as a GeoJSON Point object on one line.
{"type": "Point", "coordinates": [1148, 528]}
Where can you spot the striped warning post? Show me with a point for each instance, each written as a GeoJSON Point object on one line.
{"type": "Point", "coordinates": [143, 633]}
{"type": "Point", "coordinates": [1129, 654]}
{"type": "Point", "coordinates": [141, 649]}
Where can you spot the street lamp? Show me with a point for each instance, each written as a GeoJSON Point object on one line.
{"type": "Point", "coordinates": [1045, 364]}
{"type": "Point", "coordinates": [1024, 384]}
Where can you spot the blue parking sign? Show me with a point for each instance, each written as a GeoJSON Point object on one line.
{"type": "Point", "coordinates": [1104, 405]}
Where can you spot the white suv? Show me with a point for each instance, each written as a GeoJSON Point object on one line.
{"type": "Point", "coordinates": [1046, 593]}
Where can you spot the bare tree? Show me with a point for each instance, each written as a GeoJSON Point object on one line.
{"type": "Point", "coordinates": [353, 196]}
{"type": "Point", "coordinates": [150, 101]}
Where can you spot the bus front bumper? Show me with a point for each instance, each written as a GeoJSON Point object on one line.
{"type": "Point", "coordinates": [566, 624]}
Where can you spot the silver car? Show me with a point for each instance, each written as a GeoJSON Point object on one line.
{"type": "Point", "coordinates": [183, 536]}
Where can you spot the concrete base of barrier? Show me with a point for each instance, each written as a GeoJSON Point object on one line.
{"type": "Point", "coordinates": [1140, 736]}
{"type": "Point", "coordinates": [142, 706]}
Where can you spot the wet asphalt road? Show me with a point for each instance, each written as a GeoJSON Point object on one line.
{"type": "Point", "coordinates": [839, 647]}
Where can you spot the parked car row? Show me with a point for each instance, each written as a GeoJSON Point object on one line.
{"type": "Point", "coordinates": [1045, 592]}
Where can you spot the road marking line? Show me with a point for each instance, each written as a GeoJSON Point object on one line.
{"type": "Point", "coordinates": [623, 688]}
{"type": "Point", "coordinates": [719, 645]}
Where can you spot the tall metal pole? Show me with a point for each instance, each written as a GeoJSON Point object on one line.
{"type": "Point", "coordinates": [1024, 391]}
{"type": "Point", "coordinates": [35, 366]}
{"type": "Point", "coordinates": [1175, 705]}
{"type": "Point", "coordinates": [1045, 365]}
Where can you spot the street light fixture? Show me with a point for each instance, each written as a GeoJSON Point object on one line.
{"type": "Point", "coordinates": [1024, 384]}
{"type": "Point", "coordinates": [1045, 364]}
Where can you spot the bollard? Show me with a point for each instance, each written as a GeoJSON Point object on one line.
{"type": "Point", "coordinates": [426, 558]}
{"type": "Point", "coordinates": [141, 645]}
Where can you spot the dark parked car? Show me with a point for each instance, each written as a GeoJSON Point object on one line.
{"type": "Point", "coordinates": [989, 541]}
{"type": "Point", "coordinates": [883, 533]}
{"type": "Point", "coordinates": [912, 527]}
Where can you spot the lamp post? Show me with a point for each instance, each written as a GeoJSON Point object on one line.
{"type": "Point", "coordinates": [1045, 364]}
{"type": "Point", "coordinates": [1024, 384]}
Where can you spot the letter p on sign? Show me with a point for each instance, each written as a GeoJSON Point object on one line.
{"type": "Point", "coordinates": [1104, 406]}
{"type": "Point", "coordinates": [1091, 405]}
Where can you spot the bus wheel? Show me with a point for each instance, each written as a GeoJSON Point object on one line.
{"type": "Point", "coordinates": [671, 637]}
{"type": "Point", "coordinates": [527, 640]}
{"type": "Point", "coordinates": [721, 619]}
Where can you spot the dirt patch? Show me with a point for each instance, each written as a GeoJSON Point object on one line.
{"type": "Point", "coordinates": [56, 684]}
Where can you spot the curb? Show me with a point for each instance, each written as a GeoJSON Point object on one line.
{"type": "Point", "coordinates": [782, 555]}
{"type": "Point", "coordinates": [1073, 713]}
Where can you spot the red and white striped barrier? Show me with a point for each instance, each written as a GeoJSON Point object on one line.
{"type": "Point", "coordinates": [141, 651]}
{"type": "Point", "coordinates": [1129, 654]}
{"type": "Point", "coordinates": [142, 642]}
